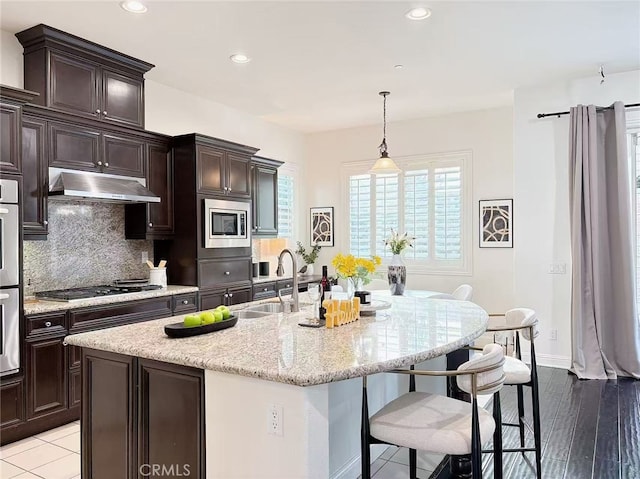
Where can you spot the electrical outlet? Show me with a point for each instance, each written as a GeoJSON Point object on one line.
{"type": "Point", "coordinates": [274, 420]}
{"type": "Point", "coordinates": [145, 256]}
{"type": "Point", "coordinates": [558, 268]}
{"type": "Point", "coordinates": [553, 334]}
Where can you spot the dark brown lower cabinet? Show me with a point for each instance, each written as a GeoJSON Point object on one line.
{"type": "Point", "coordinates": [46, 373]}
{"type": "Point", "coordinates": [229, 296]}
{"type": "Point", "coordinates": [11, 403]}
{"type": "Point", "coordinates": [141, 416]}
{"type": "Point", "coordinates": [108, 416]}
{"type": "Point", "coordinates": [171, 418]}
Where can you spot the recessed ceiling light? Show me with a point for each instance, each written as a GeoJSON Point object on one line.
{"type": "Point", "coordinates": [398, 67]}
{"type": "Point", "coordinates": [419, 13]}
{"type": "Point", "coordinates": [134, 6]}
{"type": "Point", "coordinates": [239, 58]}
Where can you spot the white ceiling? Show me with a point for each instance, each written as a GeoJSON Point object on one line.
{"type": "Point", "coordinates": [319, 65]}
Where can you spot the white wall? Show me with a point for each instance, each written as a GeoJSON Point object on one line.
{"type": "Point", "coordinates": [10, 60]}
{"type": "Point", "coordinates": [541, 206]}
{"type": "Point", "coordinates": [487, 133]}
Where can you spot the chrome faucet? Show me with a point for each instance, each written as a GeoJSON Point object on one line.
{"type": "Point", "coordinates": [295, 307]}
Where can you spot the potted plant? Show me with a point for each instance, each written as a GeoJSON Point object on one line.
{"type": "Point", "coordinates": [397, 273]}
{"type": "Point", "coordinates": [308, 258]}
{"type": "Point", "coordinates": [355, 270]}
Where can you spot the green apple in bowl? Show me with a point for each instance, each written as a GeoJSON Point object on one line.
{"type": "Point", "coordinates": [192, 320]}
{"type": "Point", "coordinates": [225, 312]}
{"type": "Point", "coordinates": [208, 317]}
{"type": "Point", "coordinates": [218, 315]}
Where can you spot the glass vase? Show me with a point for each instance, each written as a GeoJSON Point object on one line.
{"type": "Point", "coordinates": [351, 287]}
{"type": "Point", "coordinates": [397, 274]}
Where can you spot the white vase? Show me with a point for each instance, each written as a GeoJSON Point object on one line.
{"type": "Point", "coordinates": [397, 275]}
{"type": "Point", "coordinates": [309, 271]}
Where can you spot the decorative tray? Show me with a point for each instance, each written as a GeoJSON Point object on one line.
{"type": "Point", "coordinates": [375, 305]}
{"type": "Point", "coordinates": [179, 330]}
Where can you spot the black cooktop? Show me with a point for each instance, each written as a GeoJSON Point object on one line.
{"type": "Point", "coordinates": [74, 294]}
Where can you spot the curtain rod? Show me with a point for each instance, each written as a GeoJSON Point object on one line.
{"type": "Point", "coordinates": [560, 113]}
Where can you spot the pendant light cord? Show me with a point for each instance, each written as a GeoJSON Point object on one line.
{"type": "Point", "coordinates": [383, 145]}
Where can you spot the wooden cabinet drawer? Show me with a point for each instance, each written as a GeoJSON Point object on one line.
{"type": "Point", "coordinates": [98, 317]}
{"type": "Point", "coordinates": [285, 284]}
{"type": "Point", "coordinates": [48, 323]}
{"type": "Point", "coordinates": [184, 303]}
{"type": "Point", "coordinates": [225, 271]}
{"type": "Point", "coordinates": [264, 291]}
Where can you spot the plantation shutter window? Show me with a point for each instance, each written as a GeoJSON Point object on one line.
{"type": "Point", "coordinates": [285, 206]}
{"type": "Point", "coordinates": [428, 200]}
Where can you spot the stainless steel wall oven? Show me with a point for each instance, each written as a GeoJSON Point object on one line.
{"type": "Point", "coordinates": [9, 278]}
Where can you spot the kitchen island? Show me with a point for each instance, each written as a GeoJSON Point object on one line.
{"type": "Point", "coordinates": [266, 398]}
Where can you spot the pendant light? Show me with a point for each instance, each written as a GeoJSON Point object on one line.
{"type": "Point", "coordinates": [384, 164]}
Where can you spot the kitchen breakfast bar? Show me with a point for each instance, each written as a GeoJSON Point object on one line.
{"type": "Point", "coordinates": [266, 398]}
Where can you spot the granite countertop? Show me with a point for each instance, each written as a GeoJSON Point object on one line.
{"type": "Point", "coordinates": [34, 306]}
{"type": "Point", "coordinates": [275, 348]}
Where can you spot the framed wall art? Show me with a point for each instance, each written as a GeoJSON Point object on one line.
{"type": "Point", "coordinates": [322, 226]}
{"type": "Point", "coordinates": [496, 223]}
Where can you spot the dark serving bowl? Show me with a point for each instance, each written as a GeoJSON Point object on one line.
{"type": "Point", "coordinates": [179, 330]}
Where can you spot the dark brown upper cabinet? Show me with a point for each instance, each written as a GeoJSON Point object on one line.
{"type": "Point", "coordinates": [81, 77]}
{"type": "Point", "coordinates": [154, 220]}
{"type": "Point", "coordinates": [264, 195]}
{"type": "Point", "coordinates": [35, 181]}
{"type": "Point", "coordinates": [11, 101]}
{"type": "Point", "coordinates": [84, 147]}
{"type": "Point", "coordinates": [222, 168]}
{"type": "Point", "coordinates": [222, 173]}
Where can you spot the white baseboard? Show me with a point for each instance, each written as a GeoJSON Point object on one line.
{"type": "Point", "coordinates": [352, 469]}
{"type": "Point", "coordinates": [549, 360]}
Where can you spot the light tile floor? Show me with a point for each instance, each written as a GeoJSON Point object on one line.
{"type": "Point", "coordinates": [53, 454]}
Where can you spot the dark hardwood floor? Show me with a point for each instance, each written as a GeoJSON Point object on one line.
{"type": "Point", "coordinates": [590, 429]}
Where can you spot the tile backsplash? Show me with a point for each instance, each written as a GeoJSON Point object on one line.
{"type": "Point", "coordinates": [85, 247]}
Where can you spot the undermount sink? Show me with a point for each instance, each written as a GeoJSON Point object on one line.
{"type": "Point", "coordinates": [266, 308]}
{"type": "Point", "coordinates": [249, 314]}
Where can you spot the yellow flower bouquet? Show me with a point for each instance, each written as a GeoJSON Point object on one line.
{"type": "Point", "coordinates": [355, 269]}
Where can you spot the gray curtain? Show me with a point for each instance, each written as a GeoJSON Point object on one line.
{"type": "Point", "coordinates": [605, 325]}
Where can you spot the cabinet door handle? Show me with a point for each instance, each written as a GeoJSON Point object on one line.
{"type": "Point", "coordinates": [45, 222]}
{"type": "Point", "coordinates": [99, 163]}
{"type": "Point", "coordinates": [229, 189]}
{"type": "Point", "coordinates": [185, 301]}
{"type": "Point", "coordinates": [104, 113]}
{"type": "Point", "coordinates": [106, 164]}
{"type": "Point", "coordinates": [98, 111]}
{"type": "Point", "coordinates": [150, 225]}
{"type": "Point", "coordinates": [227, 273]}
{"type": "Point", "coordinates": [47, 324]}
{"type": "Point", "coordinates": [265, 289]}
{"type": "Point", "coordinates": [231, 295]}
{"type": "Point", "coordinates": [226, 295]}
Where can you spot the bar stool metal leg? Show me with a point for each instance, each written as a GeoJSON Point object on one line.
{"type": "Point", "coordinates": [497, 437]}
{"type": "Point", "coordinates": [365, 453]}
{"type": "Point", "coordinates": [521, 414]}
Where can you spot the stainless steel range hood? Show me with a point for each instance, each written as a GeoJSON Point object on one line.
{"type": "Point", "coordinates": [74, 184]}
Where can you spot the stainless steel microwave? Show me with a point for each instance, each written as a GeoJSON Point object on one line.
{"type": "Point", "coordinates": [226, 224]}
